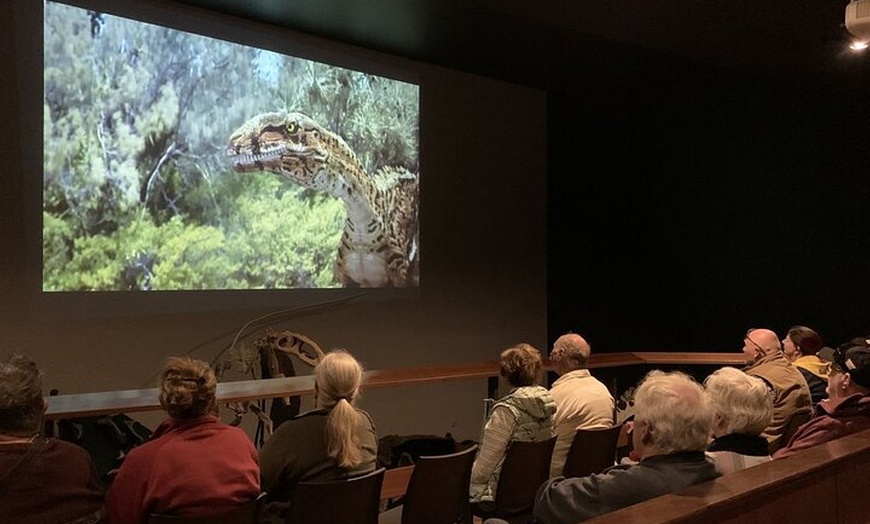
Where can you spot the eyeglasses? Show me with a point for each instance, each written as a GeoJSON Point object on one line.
{"type": "Point", "coordinates": [832, 368]}
{"type": "Point", "coordinates": [759, 348]}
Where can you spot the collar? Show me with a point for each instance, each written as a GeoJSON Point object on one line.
{"type": "Point", "coordinates": [172, 424]}
{"type": "Point", "coordinates": [678, 456]}
{"type": "Point", "coordinates": [773, 356]}
{"type": "Point", "coordinates": [577, 373]}
{"type": "Point", "coordinates": [741, 443]}
{"type": "Point", "coordinates": [829, 406]}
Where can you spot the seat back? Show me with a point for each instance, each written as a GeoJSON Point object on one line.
{"type": "Point", "coordinates": [248, 513]}
{"type": "Point", "coordinates": [591, 451]}
{"type": "Point", "coordinates": [351, 501]}
{"type": "Point", "coordinates": [795, 421]}
{"type": "Point", "coordinates": [526, 466]}
{"type": "Point", "coordinates": [438, 489]}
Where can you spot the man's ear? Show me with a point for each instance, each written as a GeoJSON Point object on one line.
{"type": "Point", "coordinates": [718, 422]}
{"type": "Point", "coordinates": [646, 433]}
{"type": "Point", "coordinates": [847, 381]}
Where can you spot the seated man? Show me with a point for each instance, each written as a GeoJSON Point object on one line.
{"type": "Point", "coordinates": [672, 423]}
{"type": "Point", "coordinates": [847, 409]}
{"type": "Point", "coordinates": [791, 395]}
{"type": "Point", "coordinates": [582, 401]}
{"type": "Point", "coordinates": [44, 481]}
{"type": "Point", "coordinates": [742, 408]}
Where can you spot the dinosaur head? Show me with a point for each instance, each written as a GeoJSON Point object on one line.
{"type": "Point", "coordinates": [288, 144]}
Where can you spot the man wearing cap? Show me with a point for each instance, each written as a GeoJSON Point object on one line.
{"type": "Point", "coordinates": [847, 409]}
{"type": "Point", "coordinates": [582, 401]}
{"type": "Point", "coordinates": [791, 395]}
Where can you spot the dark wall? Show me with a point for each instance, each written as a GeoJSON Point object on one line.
{"type": "Point", "coordinates": [688, 204]}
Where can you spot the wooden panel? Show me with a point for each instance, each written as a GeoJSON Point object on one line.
{"type": "Point", "coordinates": [810, 486]}
{"type": "Point", "coordinates": [851, 506]}
{"type": "Point", "coordinates": [396, 482]}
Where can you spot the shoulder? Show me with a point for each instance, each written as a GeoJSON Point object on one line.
{"type": "Point", "coordinates": [67, 451]}
{"type": "Point", "coordinates": [302, 424]}
{"type": "Point", "coordinates": [235, 433]}
{"type": "Point", "coordinates": [368, 418]}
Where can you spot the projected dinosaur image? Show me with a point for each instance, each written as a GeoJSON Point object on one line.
{"type": "Point", "coordinates": [138, 193]}
{"type": "Point", "coordinates": [378, 245]}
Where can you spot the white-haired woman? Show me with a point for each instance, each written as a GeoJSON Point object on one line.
{"type": "Point", "coordinates": [743, 408]}
{"type": "Point", "coordinates": [336, 440]}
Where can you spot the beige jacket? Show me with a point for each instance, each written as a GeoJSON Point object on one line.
{"type": "Point", "coordinates": [582, 402]}
{"type": "Point", "coordinates": [789, 389]}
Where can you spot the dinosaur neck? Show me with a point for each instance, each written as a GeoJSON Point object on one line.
{"type": "Point", "coordinates": [345, 178]}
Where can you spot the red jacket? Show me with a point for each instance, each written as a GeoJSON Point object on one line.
{"type": "Point", "coordinates": [834, 418]}
{"type": "Point", "coordinates": [195, 468]}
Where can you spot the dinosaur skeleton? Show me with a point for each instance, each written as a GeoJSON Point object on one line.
{"type": "Point", "coordinates": [274, 352]}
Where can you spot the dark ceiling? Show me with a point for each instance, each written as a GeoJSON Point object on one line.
{"type": "Point", "coordinates": [530, 42]}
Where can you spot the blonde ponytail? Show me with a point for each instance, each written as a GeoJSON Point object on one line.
{"type": "Point", "coordinates": [339, 377]}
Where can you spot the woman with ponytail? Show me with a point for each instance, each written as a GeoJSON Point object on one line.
{"type": "Point", "coordinates": [334, 441]}
{"type": "Point", "coordinates": [195, 465]}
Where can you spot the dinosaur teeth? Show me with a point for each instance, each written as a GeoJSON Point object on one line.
{"type": "Point", "coordinates": [248, 159]}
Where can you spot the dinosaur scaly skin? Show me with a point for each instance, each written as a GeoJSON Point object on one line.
{"type": "Point", "coordinates": [379, 244]}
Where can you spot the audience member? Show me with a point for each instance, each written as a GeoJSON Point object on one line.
{"type": "Point", "coordinates": [800, 347]}
{"type": "Point", "coordinates": [791, 394]}
{"type": "Point", "coordinates": [743, 409]}
{"type": "Point", "coordinates": [42, 481]}
{"type": "Point", "coordinates": [582, 402]}
{"type": "Point", "coordinates": [195, 466]}
{"type": "Point", "coordinates": [334, 441]}
{"type": "Point", "coordinates": [671, 428]}
{"type": "Point", "coordinates": [847, 409]}
{"type": "Point", "coordinates": [524, 414]}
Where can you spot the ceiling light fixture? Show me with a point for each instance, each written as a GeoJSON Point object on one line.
{"type": "Point", "coordinates": [858, 23]}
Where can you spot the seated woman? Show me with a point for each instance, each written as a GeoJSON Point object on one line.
{"type": "Point", "coordinates": [743, 408]}
{"type": "Point", "coordinates": [195, 465]}
{"type": "Point", "coordinates": [524, 414]}
{"type": "Point", "coordinates": [334, 441]}
{"type": "Point", "coordinates": [42, 481]}
{"type": "Point", "coordinates": [801, 347]}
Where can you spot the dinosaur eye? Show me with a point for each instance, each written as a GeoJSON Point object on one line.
{"type": "Point", "coordinates": [292, 127]}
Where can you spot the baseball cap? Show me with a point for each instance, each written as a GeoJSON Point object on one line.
{"type": "Point", "coordinates": [854, 360]}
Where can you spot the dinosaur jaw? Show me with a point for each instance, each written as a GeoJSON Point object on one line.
{"type": "Point", "coordinates": [244, 162]}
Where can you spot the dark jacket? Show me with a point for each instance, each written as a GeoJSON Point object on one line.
{"type": "Point", "coordinates": [568, 501]}
{"type": "Point", "coordinates": [58, 484]}
{"type": "Point", "coordinates": [751, 445]}
{"type": "Point", "coordinates": [297, 452]}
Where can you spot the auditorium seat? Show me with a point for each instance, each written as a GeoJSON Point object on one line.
{"type": "Point", "coordinates": [526, 466]}
{"type": "Point", "coordinates": [245, 514]}
{"type": "Point", "coordinates": [591, 451]}
{"type": "Point", "coordinates": [352, 501]}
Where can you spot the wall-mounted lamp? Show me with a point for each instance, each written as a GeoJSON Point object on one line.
{"type": "Point", "coordinates": [858, 23]}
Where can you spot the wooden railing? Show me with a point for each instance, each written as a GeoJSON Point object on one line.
{"type": "Point", "coordinates": [825, 484]}
{"type": "Point", "coordinates": [137, 400]}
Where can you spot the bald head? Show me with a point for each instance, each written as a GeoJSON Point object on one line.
{"type": "Point", "coordinates": [760, 342]}
{"type": "Point", "coordinates": [570, 352]}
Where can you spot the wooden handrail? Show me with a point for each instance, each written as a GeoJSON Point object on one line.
{"type": "Point", "coordinates": [138, 400]}
{"type": "Point", "coordinates": [823, 484]}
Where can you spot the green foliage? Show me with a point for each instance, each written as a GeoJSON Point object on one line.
{"type": "Point", "coordinates": [137, 189]}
